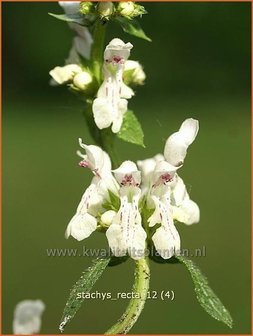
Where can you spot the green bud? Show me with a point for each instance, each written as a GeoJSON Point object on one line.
{"type": "Point", "coordinates": [105, 9]}
{"type": "Point", "coordinates": [86, 7]}
{"type": "Point", "coordinates": [130, 9]}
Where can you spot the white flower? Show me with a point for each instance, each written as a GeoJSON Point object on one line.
{"type": "Point", "coordinates": [126, 234]}
{"type": "Point", "coordinates": [176, 146]}
{"type": "Point", "coordinates": [155, 189]}
{"type": "Point", "coordinates": [83, 41]}
{"type": "Point", "coordinates": [184, 209]}
{"type": "Point", "coordinates": [82, 80]}
{"type": "Point", "coordinates": [110, 105]}
{"type": "Point", "coordinates": [27, 317]}
{"type": "Point", "coordinates": [133, 73]}
{"type": "Point", "coordinates": [65, 74]}
{"type": "Point", "coordinates": [84, 222]}
{"type": "Point", "coordinates": [166, 238]}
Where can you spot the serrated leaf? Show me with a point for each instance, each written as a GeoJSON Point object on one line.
{"type": "Point", "coordinates": [131, 130]}
{"type": "Point", "coordinates": [72, 18]}
{"type": "Point", "coordinates": [84, 284]}
{"type": "Point", "coordinates": [132, 27]}
{"type": "Point", "coordinates": [205, 295]}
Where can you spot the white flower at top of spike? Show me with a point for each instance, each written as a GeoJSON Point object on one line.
{"type": "Point", "coordinates": [126, 234]}
{"type": "Point", "coordinates": [27, 317]}
{"type": "Point", "coordinates": [111, 103]}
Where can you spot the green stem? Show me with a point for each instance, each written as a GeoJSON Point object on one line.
{"type": "Point", "coordinates": [107, 143]}
{"type": "Point", "coordinates": [135, 306]}
{"type": "Point", "coordinates": [97, 49]}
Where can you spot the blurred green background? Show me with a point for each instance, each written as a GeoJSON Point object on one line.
{"type": "Point", "coordinates": [198, 65]}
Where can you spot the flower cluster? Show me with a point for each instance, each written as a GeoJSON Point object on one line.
{"type": "Point", "coordinates": [136, 201]}
{"type": "Point", "coordinates": [119, 73]}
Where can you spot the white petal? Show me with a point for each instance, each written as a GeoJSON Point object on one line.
{"type": "Point", "coordinates": [126, 91]}
{"type": "Point", "coordinates": [128, 168]}
{"type": "Point", "coordinates": [187, 213]}
{"type": "Point", "coordinates": [102, 113]}
{"type": "Point", "coordinates": [27, 317]}
{"type": "Point", "coordinates": [179, 192]}
{"type": "Point", "coordinates": [82, 80]}
{"type": "Point", "coordinates": [98, 160]}
{"type": "Point", "coordinates": [81, 226]}
{"type": "Point", "coordinates": [28, 328]}
{"type": "Point", "coordinates": [118, 119]}
{"type": "Point", "coordinates": [163, 173]}
{"type": "Point", "coordinates": [176, 146]}
{"type": "Point", "coordinates": [126, 233]}
{"type": "Point", "coordinates": [166, 238]}
{"type": "Point", "coordinates": [108, 217]}
{"type": "Point", "coordinates": [115, 240]}
{"type": "Point", "coordinates": [167, 241]}
{"type": "Point", "coordinates": [117, 48]}
{"type": "Point", "coordinates": [136, 250]}
{"type": "Point", "coordinates": [175, 150]}
{"type": "Point", "coordinates": [147, 168]}
{"type": "Point", "coordinates": [64, 74]}
{"type": "Point", "coordinates": [189, 130]}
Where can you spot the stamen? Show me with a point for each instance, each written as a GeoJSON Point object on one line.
{"type": "Point", "coordinates": [129, 180]}
{"type": "Point", "coordinates": [118, 59]}
{"type": "Point", "coordinates": [163, 179]}
{"type": "Point", "coordinates": [166, 177]}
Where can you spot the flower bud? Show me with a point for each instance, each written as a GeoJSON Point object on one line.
{"type": "Point", "coordinates": [133, 73]}
{"type": "Point", "coordinates": [126, 8]}
{"type": "Point", "coordinates": [105, 9]}
{"type": "Point", "coordinates": [85, 7]}
{"type": "Point", "coordinates": [107, 217]}
{"type": "Point", "coordinates": [82, 80]}
{"type": "Point", "coordinates": [65, 74]}
{"type": "Point", "coordinates": [130, 9]}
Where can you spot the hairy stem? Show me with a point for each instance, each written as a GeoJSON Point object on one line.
{"type": "Point", "coordinates": [136, 305]}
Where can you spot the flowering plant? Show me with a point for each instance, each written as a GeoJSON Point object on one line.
{"type": "Point", "coordinates": [136, 205]}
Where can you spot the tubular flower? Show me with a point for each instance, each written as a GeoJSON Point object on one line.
{"type": "Point", "coordinates": [151, 187]}
{"type": "Point", "coordinates": [111, 103]}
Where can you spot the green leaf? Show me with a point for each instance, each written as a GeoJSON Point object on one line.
{"type": "Point", "coordinates": [73, 18]}
{"type": "Point", "coordinates": [205, 295]}
{"type": "Point", "coordinates": [84, 284]}
{"type": "Point", "coordinates": [131, 130]}
{"type": "Point", "coordinates": [132, 27]}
